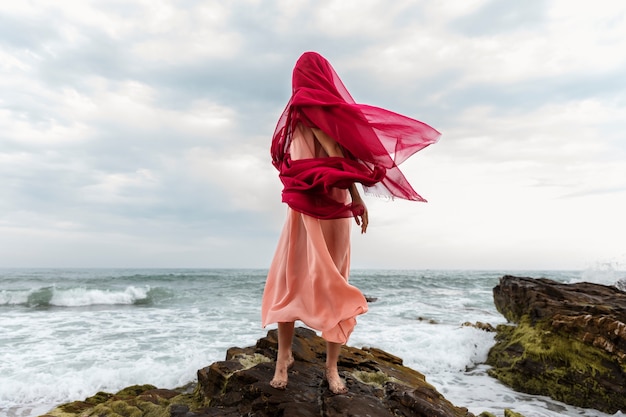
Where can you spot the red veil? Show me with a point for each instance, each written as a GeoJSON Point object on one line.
{"type": "Point", "coordinates": [374, 140]}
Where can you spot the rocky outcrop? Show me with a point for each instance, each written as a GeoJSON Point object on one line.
{"type": "Point", "coordinates": [379, 385]}
{"type": "Point", "coordinates": [569, 341]}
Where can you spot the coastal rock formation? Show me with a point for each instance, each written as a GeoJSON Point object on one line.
{"type": "Point", "coordinates": [239, 386]}
{"type": "Point", "coordinates": [569, 341]}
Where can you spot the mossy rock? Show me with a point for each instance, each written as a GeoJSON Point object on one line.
{"type": "Point", "coordinates": [377, 379]}
{"type": "Point", "coordinates": [511, 413]}
{"type": "Point", "coordinates": [507, 413]}
{"type": "Point", "coordinates": [77, 407]}
{"type": "Point", "coordinates": [134, 390]}
{"type": "Point", "coordinates": [248, 361]}
{"type": "Point", "coordinates": [134, 401]}
{"type": "Point", "coordinates": [533, 359]}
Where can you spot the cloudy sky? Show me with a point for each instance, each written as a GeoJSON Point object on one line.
{"type": "Point", "coordinates": [135, 133]}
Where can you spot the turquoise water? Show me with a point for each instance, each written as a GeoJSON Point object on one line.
{"type": "Point", "coordinates": [66, 334]}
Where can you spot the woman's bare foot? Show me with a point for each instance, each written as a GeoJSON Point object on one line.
{"type": "Point", "coordinates": [280, 373]}
{"type": "Point", "coordinates": [335, 383]}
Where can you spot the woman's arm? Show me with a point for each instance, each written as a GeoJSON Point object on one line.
{"type": "Point", "coordinates": [329, 144]}
{"type": "Point", "coordinates": [363, 221]}
{"type": "Point", "coordinates": [332, 148]}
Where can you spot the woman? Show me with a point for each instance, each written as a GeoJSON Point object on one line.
{"type": "Point", "coordinates": [323, 145]}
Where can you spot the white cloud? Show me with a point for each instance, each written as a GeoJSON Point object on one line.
{"type": "Point", "coordinates": [48, 132]}
{"type": "Point", "coordinates": [174, 36]}
{"type": "Point", "coordinates": [586, 36]}
{"type": "Point", "coordinates": [137, 105]}
{"type": "Point", "coordinates": [147, 124]}
{"type": "Point", "coordinates": [119, 188]}
{"type": "Point", "coordinates": [570, 40]}
{"type": "Point", "coordinates": [246, 176]}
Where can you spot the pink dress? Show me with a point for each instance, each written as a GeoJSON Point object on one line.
{"type": "Point", "coordinates": [308, 277]}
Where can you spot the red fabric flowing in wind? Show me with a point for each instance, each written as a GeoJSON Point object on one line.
{"type": "Point", "coordinates": [374, 142]}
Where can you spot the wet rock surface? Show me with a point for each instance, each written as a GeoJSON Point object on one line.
{"type": "Point", "coordinates": [568, 341]}
{"type": "Point", "coordinates": [379, 385]}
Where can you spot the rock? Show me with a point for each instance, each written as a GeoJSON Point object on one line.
{"type": "Point", "coordinates": [480, 326]}
{"type": "Point", "coordinates": [136, 400]}
{"type": "Point", "coordinates": [379, 385]}
{"type": "Point", "coordinates": [507, 413]}
{"type": "Point", "coordinates": [429, 321]}
{"type": "Point", "coordinates": [569, 342]}
{"type": "Point", "coordinates": [378, 382]}
{"type": "Point", "coordinates": [510, 413]}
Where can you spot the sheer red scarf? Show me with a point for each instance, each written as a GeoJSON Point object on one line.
{"type": "Point", "coordinates": [374, 140]}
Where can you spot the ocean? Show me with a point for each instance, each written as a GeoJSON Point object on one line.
{"type": "Point", "coordinates": [66, 334]}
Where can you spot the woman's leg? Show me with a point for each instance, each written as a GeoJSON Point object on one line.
{"type": "Point", "coordinates": [335, 383]}
{"type": "Point", "coordinates": [284, 358]}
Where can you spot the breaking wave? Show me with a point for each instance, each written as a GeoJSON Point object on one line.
{"type": "Point", "coordinates": [77, 297]}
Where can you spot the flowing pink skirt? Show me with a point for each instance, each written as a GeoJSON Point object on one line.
{"type": "Point", "coordinates": [308, 278]}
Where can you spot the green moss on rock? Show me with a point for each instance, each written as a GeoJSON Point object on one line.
{"type": "Point", "coordinates": [129, 408]}
{"type": "Point", "coordinates": [76, 407]}
{"type": "Point", "coordinates": [134, 390]}
{"type": "Point", "coordinates": [377, 379]}
{"type": "Point", "coordinates": [511, 413]}
{"type": "Point", "coordinates": [248, 361]}
{"type": "Point", "coordinates": [531, 359]}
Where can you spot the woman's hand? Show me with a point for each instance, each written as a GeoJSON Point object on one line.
{"type": "Point", "coordinates": [362, 219]}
